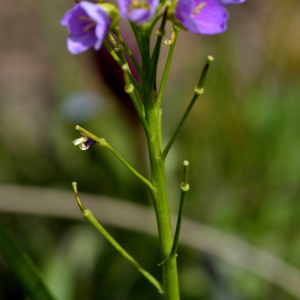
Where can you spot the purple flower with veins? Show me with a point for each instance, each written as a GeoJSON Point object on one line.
{"type": "Point", "coordinates": [138, 11]}
{"type": "Point", "coordinates": [204, 16]}
{"type": "Point", "coordinates": [88, 25]}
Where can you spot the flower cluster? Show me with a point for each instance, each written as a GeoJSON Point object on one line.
{"type": "Point", "coordinates": [89, 23]}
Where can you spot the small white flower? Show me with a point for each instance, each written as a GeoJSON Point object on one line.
{"type": "Point", "coordinates": [84, 142]}
{"type": "Point", "coordinates": [80, 142]}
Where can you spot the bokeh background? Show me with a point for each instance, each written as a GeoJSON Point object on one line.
{"type": "Point", "coordinates": [242, 140]}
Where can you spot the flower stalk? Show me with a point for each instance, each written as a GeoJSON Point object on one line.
{"type": "Point", "coordinates": [184, 187]}
{"type": "Point", "coordinates": [197, 92]}
{"type": "Point", "coordinates": [102, 142]}
{"type": "Point", "coordinates": [87, 214]}
{"type": "Point", "coordinates": [128, 51]}
{"type": "Point", "coordinates": [167, 68]}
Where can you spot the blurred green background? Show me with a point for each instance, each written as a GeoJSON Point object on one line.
{"type": "Point", "coordinates": [242, 140]}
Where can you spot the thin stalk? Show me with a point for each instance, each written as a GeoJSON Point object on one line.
{"type": "Point", "coordinates": [136, 100]}
{"type": "Point", "coordinates": [103, 143]}
{"type": "Point", "coordinates": [136, 33]}
{"type": "Point", "coordinates": [184, 188]}
{"type": "Point", "coordinates": [111, 38]}
{"type": "Point", "coordinates": [198, 91]}
{"type": "Point", "coordinates": [112, 52]}
{"type": "Point", "coordinates": [154, 21]}
{"type": "Point", "coordinates": [120, 63]}
{"type": "Point", "coordinates": [137, 174]}
{"type": "Point", "coordinates": [128, 51]}
{"type": "Point", "coordinates": [167, 68]}
{"type": "Point", "coordinates": [155, 55]}
{"type": "Point", "coordinates": [89, 216]}
{"type": "Point", "coordinates": [120, 50]}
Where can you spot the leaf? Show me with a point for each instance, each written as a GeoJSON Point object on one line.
{"type": "Point", "coordinates": [23, 267]}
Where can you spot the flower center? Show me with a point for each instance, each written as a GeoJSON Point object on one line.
{"type": "Point", "coordinates": [88, 26]}
{"type": "Point", "coordinates": [139, 4]}
{"type": "Point", "coordinates": [198, 8]}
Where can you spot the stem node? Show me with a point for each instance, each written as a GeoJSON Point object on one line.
{"type": "Point", "coordinates": [129, 88]}
{"type": "Point", "coordinates": [160, 32]}
{"type": "Point", "coordinates": [199, 91]}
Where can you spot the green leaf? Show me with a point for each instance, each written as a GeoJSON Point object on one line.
{"type": "Point", "coordinates": [23, 267]}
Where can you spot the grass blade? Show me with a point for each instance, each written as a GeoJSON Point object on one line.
{"type": "Point", "coordinates": [23, 267]}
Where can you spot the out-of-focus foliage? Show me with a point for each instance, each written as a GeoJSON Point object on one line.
{"type": "Point", "coordinates": [241, 139]}
{"type": "Point", "coordinates": [23, 267]}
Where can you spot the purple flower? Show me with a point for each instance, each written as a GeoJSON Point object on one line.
{"type": "Point", "coordinates": [88, 25]}
{"type": "Point", "coordinates": [204, 16]}
{"type": "Point", "coordinates": [84, 142]}
{"type": "Point", "coordinates": [138, 11]}
{"type": "Point", "coordinates": [230, 2]}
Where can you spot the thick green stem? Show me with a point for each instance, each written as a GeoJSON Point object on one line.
{"type": "Point", "coordinates": [160, 128]}
{"type": "Point", "coordinates": [159, 194]}
{"type": "Point", "coordinates": [169, 268]}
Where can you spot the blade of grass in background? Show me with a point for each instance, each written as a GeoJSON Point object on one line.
{"type": "Point", "coordinates": [23, 267]}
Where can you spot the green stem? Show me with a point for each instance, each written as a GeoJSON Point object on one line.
{"type": "Point", "coordinates": [159, 127]}
{"type": "Point", "coordinates": [184, 188]}
{"type": "Point", "coordinates": [167, 68]}
{"type": "Point", "coordinates": [120, 63]}
{"type": "Point", "coordinates": [112, 53]}
{"type": "Point", "coordinates": [154, 21]}
{"type": "Point", "coordinates": [136, 32]}
{"type": "Point", "coordinates": [155, 55]}
{"type": "Point", "coordinates": [132, 58]}
{"type": "Point", "coordinates": [129, 89]}
{"type": "Point", "coordinates": [102, 142]}
{"type": "Point", "coordinates": [89, 216]}
{"type": "Point", "coordinates": [198, 91]}
{"type": "Point", "coordinates": [119, 49]}
{"type": "Point", "coordinates": [137, 174]}
{"type": "Point", "coordinates": [159, 194]}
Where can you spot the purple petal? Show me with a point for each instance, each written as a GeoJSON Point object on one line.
{"type": "Point", "coordinates": [124, 7]}
{"type": "Point", "coordinates": [73, 22]}
{"type": "Point", "coordinates": [231, 2]}
{"type": "Point", "coordinates": [67, 16]}
{"type": "Point", "coordinates": [183, 12]}
{"type": "Point", "coordinates": [94, 11]}
{"type": "Point", "coordinates": [89, 143]}
{"type": "Point", "coordinates": [101, 32]}
{"type": "Point", "coordinates": [88, 24]}
{"type": "Point", "coordinates": [210, 19]}
{"type": "Point", "coordinates": [77, 44]}
{"type": "Point", "coordinates": [138, 15]}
